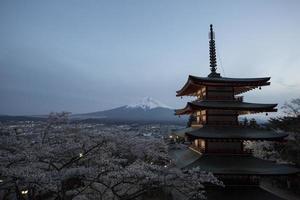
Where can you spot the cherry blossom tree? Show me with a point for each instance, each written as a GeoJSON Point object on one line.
{"type": "Point", "coordinates": [65, 161]}
{"type": "Point", "coordinates": [287, 151]}
{"type": "Point", "coordinates": [292, 108]}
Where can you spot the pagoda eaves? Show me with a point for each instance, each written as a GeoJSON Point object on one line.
{"type": "Point", "coordinates": [240, 85]}
{"type": "Point", "coordinates": [239, 106]}
{"type": "Point", "coordinates": [232, 133]}
{"type": "Point", "coordinates": [241, 165]}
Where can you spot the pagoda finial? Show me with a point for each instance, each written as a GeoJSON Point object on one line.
{"type": "Point", "coordinates": [212, 54]}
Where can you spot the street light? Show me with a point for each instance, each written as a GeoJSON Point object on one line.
{"type": "Point", "coordinates": [24, 192]}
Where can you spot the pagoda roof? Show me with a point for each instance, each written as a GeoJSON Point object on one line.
{"type": "Point", "coordinates": [241, 165]}
{"type": "Point", "coordinates": [238, 133]}
{"type": "Point", "coordinates": [240, 85]}
{"type": "Point", "coordinates": [241, 107]}
{"type": "Point", "coordinates": [237, 192]}
{"type": "Point", "coordinates": [243, 81]}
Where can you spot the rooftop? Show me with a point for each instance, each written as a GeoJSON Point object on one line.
{"type": "Point", "coordinates": [236, 192]}
{"type": "Point", "coordinates": [241, 165]}
{"type": "Point", "coordinates": [241, 107]}
{"type": "Point", "coordinates": [240, 133]}
{"type": "Point", "coordinates": [240, 85]}
{"type": "Point", "coordinates": [241, 81]}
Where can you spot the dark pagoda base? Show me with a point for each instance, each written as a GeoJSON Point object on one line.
{"type": "Point", "coordinates": [239, 192]}
{"type": "Point", "coordinates": [241, 165]}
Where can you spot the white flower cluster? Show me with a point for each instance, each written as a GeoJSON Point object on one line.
{"type": "Point", "coordinates": [66, 163]}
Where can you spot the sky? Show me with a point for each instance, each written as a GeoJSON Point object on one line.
{"type": "Point", "coordinates": [82, 56]}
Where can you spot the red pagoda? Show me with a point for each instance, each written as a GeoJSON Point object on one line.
{"type": "Point", "coordinates": [215, 133]}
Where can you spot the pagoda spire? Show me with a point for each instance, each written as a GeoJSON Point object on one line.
{"type": "Point", "coordinates": [212, 54]}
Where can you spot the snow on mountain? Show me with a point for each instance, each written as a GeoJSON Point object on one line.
{"type": "Point", "coordinates": [148, 103]}
{"type": "Point", "coordinates": [146, 109]}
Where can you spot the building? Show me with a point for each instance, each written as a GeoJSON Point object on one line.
{"type": "Point", "coordinates": [216, 135]}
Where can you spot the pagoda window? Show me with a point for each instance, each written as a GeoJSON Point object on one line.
{"type": "Point", "coordinates": [198, 117]}
{"type": "Point", "coordinates": [201, 117]}
{"type": "Point", "coordinates": [204, 119]}
{"type": "Point", "coordinates": [199, 144]}
{"type": "Point", "coordinates": [201, 93]}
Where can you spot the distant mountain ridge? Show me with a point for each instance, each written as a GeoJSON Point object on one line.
{"type": "Point", "coordinates": [146, 109]}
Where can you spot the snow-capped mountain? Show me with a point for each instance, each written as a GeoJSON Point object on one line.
{"type": "Point", "coordinates": [148, 103]}
{"type": "Point", "coordinates": [146, 109]}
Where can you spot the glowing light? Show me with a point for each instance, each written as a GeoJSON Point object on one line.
{"type": "Point", "coordinates": [1, 181]}
{"type": "Point", "coordinates": [80, 155]}
{"type": "Point", "coordinates": [151, 163]}
{"type": "Point", "coordinates": [171, 136]}
{"type": "Point", "coordinates": [24, 191]}
{"type": "Point", "coordinates": [165, 166]}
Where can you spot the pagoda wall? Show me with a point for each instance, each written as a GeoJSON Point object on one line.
{"type": "Point", "coordinates": [221, 117]}
{"type": "Point", "coordinates": [224, 147]}
{"type": "Point", "coordinates": [219, 93]}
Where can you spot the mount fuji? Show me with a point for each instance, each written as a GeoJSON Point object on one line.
{"type": "Point", "coordinates": [146, 109]}
{"type": "Point", "coordinates": [148, 103]}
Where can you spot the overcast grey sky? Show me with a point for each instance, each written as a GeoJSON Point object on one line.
{"type": "Point", "coordinates": [83, 56]}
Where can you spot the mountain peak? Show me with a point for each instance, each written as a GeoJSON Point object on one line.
{"type": "Point", "coordinates": [148, 103]}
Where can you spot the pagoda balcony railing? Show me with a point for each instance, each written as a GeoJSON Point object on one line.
{"type": "Point", "coordinates": [220, 98]}
{"type": "Point", "coordinates": [197, 149]}
{"type": "Point", "coordinates": [221, 151]}
{"type": "Point", "coordinates": [215, 123]}
{"type": "Point", "coordinates": [197, 124]}
{"type": "Point", "coordinates": [235, 152]}
{"type": "Point", "coordinates": [220, 123]}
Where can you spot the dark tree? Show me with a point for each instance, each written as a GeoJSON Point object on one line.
{"type": "Point", "coordinates": [253, 123]}
{"type": "Point", "coordinates": [192, 119]}
{"type": "Point", "coordinates": [245, 122]}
